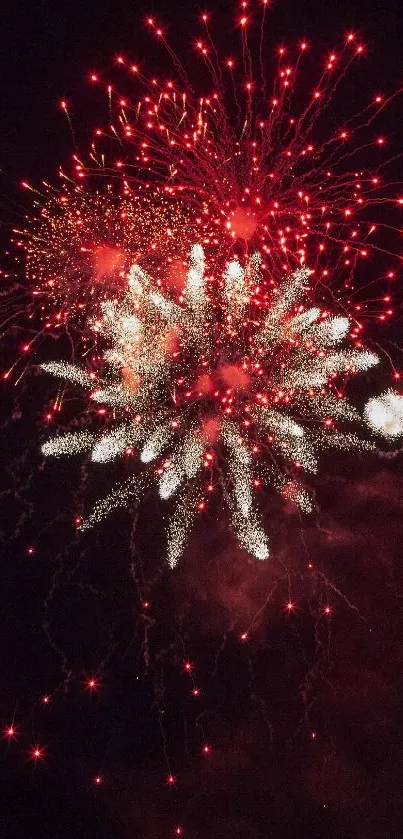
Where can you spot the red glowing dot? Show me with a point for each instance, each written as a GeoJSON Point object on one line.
{"type": "Point", "coordinates": [195, 692]}
{"type": "Point", "coordinates": [206, 749]}
{"type": "Point", "coordinates": [98, 779]}
{"type": "Point", "coordinates": [45, 699]}
{"type": "Point", "coordinates": [244, 636]}
{"type": "Point", "coordinates": [36, 753]}
{"type": "Point", "coordinates": [178, 830]}
{"type": "Point", "coordinates": [10, 732]}
{"type": "Point", "coordinates": [188, 666]}
{"type": "Point", "coordinates": [92, 684]}
{"type": "Point", "coordinates": [30, 550]}
{"type": "Point", "coordinates": [313, 735]}
{"type": "Point", "coordinates": [171, 780]}
{"type": "Point", "coordinates": [327, 610]}
{"type": "Point", "coordinates": [290, 606]}
{"type": "Point", "coordinates": [146, 604]}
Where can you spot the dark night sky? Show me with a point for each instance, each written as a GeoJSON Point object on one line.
{"type": "Point", "coordinates": [267, 777]}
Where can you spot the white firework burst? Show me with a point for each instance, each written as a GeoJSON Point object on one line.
{"type": "Point", "coordinates": [203, 388]}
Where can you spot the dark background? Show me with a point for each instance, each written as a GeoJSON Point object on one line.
{"type": "Point", "coordinates": [73, 609]}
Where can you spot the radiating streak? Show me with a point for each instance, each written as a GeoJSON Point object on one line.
{"type": "Point", "coordinates": [69, 444]}
{"type": "Point", "coordinates": [70, 372]}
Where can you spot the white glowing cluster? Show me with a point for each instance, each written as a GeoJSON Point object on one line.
{"type": "Point", "coordinates": [152, 342]}
{"type": "Point", "coordinates": [384, 414]}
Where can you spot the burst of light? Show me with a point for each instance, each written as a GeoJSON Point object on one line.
{"type": "Point", "coordinates": [183, 409]}
{"type": "Point", "coordinates": [238, 352]}
{"type": "Point", "coordinates": [190, 171]}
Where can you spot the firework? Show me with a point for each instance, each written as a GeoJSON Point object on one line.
{"type": "Point", "coordinates": [200, 390]}
{"type": "Point", "coordinates": [243, 155]}
{"type": "Point", "coordinates": [255, 157]}
{"type": "Point", "coordinates": [229, 372]}
{"type": "Point", "coordinates": [80, 247]}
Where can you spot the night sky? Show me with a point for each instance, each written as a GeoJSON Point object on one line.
{"type": "Point", "coordinates": [303, 720]}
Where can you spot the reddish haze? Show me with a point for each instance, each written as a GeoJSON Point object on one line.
{"type": "Point", "coordinates": [204, 384]}
{"type": "Point", "coordinates": [131, 379]}
{"type": "Point", "coordinates": [243, 223]}
{"type": "Point", "coordinates": [211, 430]}
{"type": "Point", "coordinates": [106, 261]}
{"type": "Point", "coordinates": [234, 376]}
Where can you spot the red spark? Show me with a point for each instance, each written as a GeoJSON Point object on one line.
{"type": "Point", "coordinates": [92, 684]}
{"type": "Point", "coordinates": [37, 753]}
{"type": "Point", "coordinates": [10, 732]}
